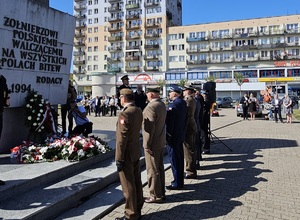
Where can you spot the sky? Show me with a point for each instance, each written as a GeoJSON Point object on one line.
{"type": "Point", "coordinates": [211, 11]}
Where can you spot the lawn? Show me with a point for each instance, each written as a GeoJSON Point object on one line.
{"type": "Point", "coordinates": [296, 114]}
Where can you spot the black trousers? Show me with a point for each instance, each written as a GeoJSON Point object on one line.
{"type": "Point", "coordinates": [64, 113]}
{"type": "Point", "coordinates": [277, 111]}
{"type": "Point", "coordinates": [245, 112]}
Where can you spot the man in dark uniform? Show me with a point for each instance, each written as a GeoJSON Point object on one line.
{"type": "Point", "coordinates": [191, 132]}
{"type": "Point", "coordinates": [198, 118]}
{"type": "Point", "coordinates": [128, 152]}
{"type": "Point", "coordinates": [3, 97]}
{"type": "Point", "coordinates": [125, 85]}
{"type": "Point", "coordinates": [205, 124]}
{"type": "Point", "coordinates": [176, 127]}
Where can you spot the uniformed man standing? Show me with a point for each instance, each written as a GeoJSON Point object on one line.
{"type": "Point", "coordinates": [198, 118]}
{"type": "Point", "coordinates": [154, 141]}
{"type": "Point", "coordinates": [128, 152]}
{"type": "Point", "coordinates": [191, 131]}
{"type": "Point", "coordinates": [205, 126]}
{"type": "Point", "coordinates": [175, 127]}
{"type": "Point", "coordinates": [125, 85]}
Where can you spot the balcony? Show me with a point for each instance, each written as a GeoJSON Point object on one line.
{"type": "Point", "coordinates": [79, 53]}
{"type": "Point", "coordinates": [240, 59]}
{"type": "Point", "coordinates": [79, 71]}
{"type": "Point", "coordinates": [151, 46]}
{"type": "Point", "coordinates": [242, 47]}
{"type": "Point", "coordinates": [114, 1]}
{"type": "Point", "coordinates": [114, 9]}
{"type": "Point", "coordinates": [151, 68]}
{"type": "Point", "coordinates": [151, 4]}
{"type": "Point", "coordinates": [132, 68]}
{"type": "Point", "coordinates": [79, 0]}
{"type": "Point", "coordinates": [114, 29]}
{"type": "Point", "coordinates": [132, 6]}
{"type": "Point", "coordinates": [79, 7]}
{"type": "Point", "coordinates": [292, 44]}
{"type": "Point", "coordinates": [228, 36]}
{"type": "Point", "coordinates": [226, 48]}
{"type": "Point", "coordinates": [80, 35]}
{"type": "Point", "coordinates": [114, 19]}
{"type": "Point", "coordinates": [132, 27]}
{"type": "Point", "coordinates": [215, 49]}
{"type": "Point", "coordinates": [252, 34]}
{"type": "Point", "coordinates": [237, 35]}
{"type": "Point", "coordinates": [80, 26]}
{"type": "Point", "coordinates": [114, 49]}
{"type": "Point", "coordinates": [152, 25]}
{"type": "Point", "coordinates": [169, 15]}
{"type": "Point", "coordinates": [133, 47]}
{"type": "Point", "coordinates": [133, 37]}
{"type": "Point", "coordinates": [276, 32]}
{"type": "Point", "coordinates": [151, 57]}
{"type": "Point", "coordinates": [292, 31]}
{"type": "Point", "coordinates": [114, 69]}
{"type": "Point", "coordinates": [133, 17]}
{"type": "Point", "coordinates": [153, 35]}
{"type": "Point", "coordinates": [80, 16]}
{"type": "Point", "coordinates": [227, 60]}
{"type": "Point", "coordinates": [179, 5]}
{"type": "Point", "coordinates": [196, 39]}
{"type": "Point", "coordinates": [113, 59]}
{"type": "Point", "coordinates": [132, 58]}
{"type": "Point", "coordinates": [114, 38]}
{"type": "Point", "coordinates": [79, 62]}
{"type": "Point", "coordinates": [264, 46]}
{"type": "Point", "coordinates": [196, 62]}
{"type": "Point", "coordinates": [79, 44]}
{"type": "Point", "coordinates": [196, 50]}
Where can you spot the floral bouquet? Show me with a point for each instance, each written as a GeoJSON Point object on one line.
{"type": "Point", "coordinates": [74, 149]}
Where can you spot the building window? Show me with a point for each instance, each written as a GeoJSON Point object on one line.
{"type": "Point", "coordinates": [175, 76]}
{"type": "Point", "coordinates": [95, 58]}
{"type": "Point", "coordinates": [96, 11]}
{"type": "Point", "coordinates": [89, 49]}
{"type": "Point", "coordinates": [89, 67]}
{"type": "Point", "coordinates": [89, 39]}
{"type": "Point", "coordinates": [95, 39]}
{"type": "Point", "coordinates": [173, 58]}
{"type": "Point", "coordinates": [90, 30]}
{"type": "Point", "coordinates": [105, 9]}
{"type": "Point", "coordinates": [90, 11]}
{"type": "Point", "coordinates": [95, 48]}
{"type": "Point", "coordinates": [89, 58]}
{"type": "Point", "coordinates": [181, 58]}
{"type": "Point", "coordinates": [96, 2]}
{"type": "Point", "coordinates": [95, 20]}
{"type": "Point", "coordinates": [180, 36]}
{"type": "Point", "coordinates": [197, 75]}
{"type": "Point", "coordinates": [96, 30]}
{"type": "Point", "coordinates": [89, 78]}
{"type": "Point", "coordinates": [90, 2]}
{"type": "Point", "coordinates": [95, 67]}
{"type": "Point", "coordinates": [172, 36]}
{"type": "Point", "coordinates": [181, 46]}
{"type": "Point", "coordinates": [90, 21]}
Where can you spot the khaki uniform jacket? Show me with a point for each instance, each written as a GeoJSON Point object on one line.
{"type": "Point", "coordinates": [128, 134]}
{"type": "Point", "coordinates": [191, 106]}
{"type": "Point", "coordinates": [154, 133]}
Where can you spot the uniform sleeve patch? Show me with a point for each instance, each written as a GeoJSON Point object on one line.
{"type": "Point", "coordinates": [122, 121]}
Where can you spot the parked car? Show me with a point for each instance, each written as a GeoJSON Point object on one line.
{"type": "Point", "coordinates": [224, 102]}
{"type": "Point", "coordinates": [239, 110]}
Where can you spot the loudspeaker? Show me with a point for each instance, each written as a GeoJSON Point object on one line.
{"type": "Point", "coordinates": [210, 88]}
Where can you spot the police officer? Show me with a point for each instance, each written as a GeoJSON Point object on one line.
{"type": "Point", "coordinates": [175, 127]}
{"type": "Point", "coordinates": [128, 152]}
{"type": "Point", "coordinates": [125, 85]}
{"type": "Point", "coordinates": [191, 131]}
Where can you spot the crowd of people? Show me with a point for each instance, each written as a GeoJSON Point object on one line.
{"type": "Point", "coordinates": [179, 125]}
{"type": "Point", "coordinates": [272, 103]}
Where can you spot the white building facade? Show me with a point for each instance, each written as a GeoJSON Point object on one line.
{"type": "Point", "coordinates": [145, 39]}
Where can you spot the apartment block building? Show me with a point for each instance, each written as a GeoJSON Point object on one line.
{"type": "Point", "coordinates": [145, 39]}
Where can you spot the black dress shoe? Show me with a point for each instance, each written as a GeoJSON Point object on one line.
{"type": "Point", "coordinates": [191, 176]}
{"type": "Point", "coordinates": [122, 218]}
{"type": "Point", "coordinates": [173, 187]}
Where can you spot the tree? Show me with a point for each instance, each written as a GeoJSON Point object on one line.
{"type": "Point", "coordinates": [183, 82]}
{"type": "Point", "coordinates": [161, 82]}
{"type": "Point", "coordinates": [239, 78]}
{"type": "Point", "coordinates": [210, 78]}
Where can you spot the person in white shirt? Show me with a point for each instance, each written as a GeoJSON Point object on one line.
{"type": "Point", "coordinates": [113, 103]}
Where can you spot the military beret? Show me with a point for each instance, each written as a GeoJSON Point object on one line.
{"type": "Point", "coordinates": [126, 92]}
{"type": "Point", "coordinates": [153, 89]}
{"type": "Point", "coordinates": [124, 77]}
{"type": "Point", "coordinates": [175, 88]}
